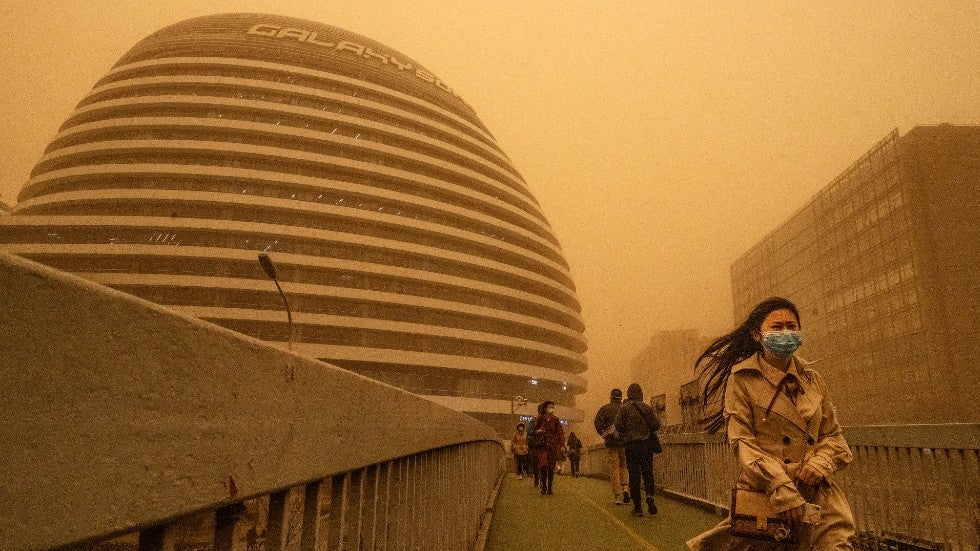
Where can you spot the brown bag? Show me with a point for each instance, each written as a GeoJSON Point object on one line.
{"type": "Point", "coordinates": [752, 517]}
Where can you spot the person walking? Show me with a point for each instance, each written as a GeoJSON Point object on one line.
{"type": "Point", "coordinates": [781, 427]}
{"type": "Point", "coordinates": [638, 425]}
{"type": "Point", "coordinates": [518, 445]}
{"type": "Point", "coordinates": [574, 453]}
{"type": "Point", "coordinates": [548, 425]}
{"type": "Point", "coordinates": [534, 443]}
{"type": "Point", "coordinates": [615, 450]}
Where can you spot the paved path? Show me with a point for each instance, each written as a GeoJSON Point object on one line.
{"type": "Point", "coordinates": [581, 516]}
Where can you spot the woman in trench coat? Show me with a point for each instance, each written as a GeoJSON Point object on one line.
{"type": "Point", "coordinates": [782, 429]}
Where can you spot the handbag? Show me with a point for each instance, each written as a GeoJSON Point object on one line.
{"type": "Point", "coordinates": [610, 433]}
{"type": "Point", "coordinates": [752, 517]}
{"type": "Point", "coordinates": [536, 440]}
{"type": "Point", "coordinates": [655, 445]}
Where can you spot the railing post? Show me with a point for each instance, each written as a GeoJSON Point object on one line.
{"type": "Point", "coordinates": [355, 511]}
{"type": "Point", "coordinates": [225, 520]}
{"type": "Point", "coordinates": [152, 539]}
{"type": "Point", "coordinates": [277, 515]}
{"type": "Point", "coordinates": [311, 516]}
{"type": "Point", "coordinates": [369, 509]}
{"type": "Point", "coordinates": [338, 511]}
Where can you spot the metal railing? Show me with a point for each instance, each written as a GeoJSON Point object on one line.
{"type": "Point", "coordinates": [429, 500]}
{"type": "Point", "coordinates": [127, 426]}
{"type": "Point", "coordinates": [917, 484]}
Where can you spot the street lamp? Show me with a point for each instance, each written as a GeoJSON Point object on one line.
{"type": "Point", "coordinates": [270, 270]}
{"type": "Point", "coordinates": [516, 402]}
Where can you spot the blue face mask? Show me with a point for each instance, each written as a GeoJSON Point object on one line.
{"type": "Point", "coordinates": [782, 344]}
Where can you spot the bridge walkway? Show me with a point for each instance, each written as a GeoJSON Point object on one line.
{"type": "Point", "coordinates": [581, 516]}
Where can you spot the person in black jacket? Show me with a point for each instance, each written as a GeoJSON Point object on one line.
{"type": "Point", "coordinates": [636, 424]}
{"type": "Point", "coordinates": [534, 445]}
{"type": "Point", "coordinates": [574, 452]}
{"type": "Point", "coordinates": [615, 452]}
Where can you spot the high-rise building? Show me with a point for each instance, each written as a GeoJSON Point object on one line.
{"type": "Point", "coordinates": [883, 265]}
{"type": "Point", "coordinates": [409, 247]}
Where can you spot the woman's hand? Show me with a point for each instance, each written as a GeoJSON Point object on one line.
{"type": "Point", "coordinates": [792, 516]}
{"type": "Point", "coordinates": [809, 475]}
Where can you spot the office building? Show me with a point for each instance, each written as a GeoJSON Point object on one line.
{"type": "Point", "coordinates": [409, 247]}
{"type": "Point", "coordinates": [883, 265]}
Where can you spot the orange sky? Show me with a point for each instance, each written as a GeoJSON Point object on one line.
{"type": "Point", "coordinates": [662, 139]}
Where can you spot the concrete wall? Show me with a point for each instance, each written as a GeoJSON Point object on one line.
{"type": "Point", "coordinates": [118, 413]}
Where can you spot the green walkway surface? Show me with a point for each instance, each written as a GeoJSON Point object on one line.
{"type": "Point", "coordinates": [581, 516]}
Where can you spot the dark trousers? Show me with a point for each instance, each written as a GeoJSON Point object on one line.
{"type": "Point", "coordinates": [547, 476]}
{"type": "Point", "coordinates": [639, 464]}
{"type": "Point", "coordinates": [574, 460]}
{"type": "Point", "coordinates": [533, 464]}
{"type": "Point", "coordinates": [523, 464]}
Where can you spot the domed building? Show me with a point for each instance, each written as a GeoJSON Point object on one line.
{"type": "Point", "coordinates": [410, 249]}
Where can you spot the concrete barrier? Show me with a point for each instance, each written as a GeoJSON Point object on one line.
{"type": "Point", "coordinates": [120, 416]}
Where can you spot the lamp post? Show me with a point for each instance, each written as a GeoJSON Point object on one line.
{"type": "Point", "coordinates": [516, 402]}
{"type": "Point", "coordinates": [270, 270]}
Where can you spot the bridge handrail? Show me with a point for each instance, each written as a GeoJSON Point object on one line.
{"type": "Point", "coordinates": [908, 483]}
{"type": "Point", "coordinates": [123, 416]}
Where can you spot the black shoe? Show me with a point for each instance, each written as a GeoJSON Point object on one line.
{"type": "Point", "coordinates": [637, 512]}
{"type": "Point", "coordinates": [550, 493]}
{"type": "Point", "coordinates": [651, 506]}
{"type": "Point", "coordinates": [626, 497]}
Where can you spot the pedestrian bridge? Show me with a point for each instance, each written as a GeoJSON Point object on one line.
{"type": "Point", "coordinates": [127, 426]}
{"type": "Point", "coordinates": [581, 516]}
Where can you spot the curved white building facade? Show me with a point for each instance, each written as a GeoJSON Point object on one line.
{"type": "Point", "coordinates": [410, 248]}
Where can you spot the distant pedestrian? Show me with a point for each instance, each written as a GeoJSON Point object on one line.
{"type": "Point", "coordinates": [548, 425]}
{"type": "Point", "coordinates": [574, 452]}
{"type": "Point", "coordinates": [615, 450]}
{"type": "Point", "coordinates": [522, 457]}
{"type": "Point", "coordinates": [638, 425]}
{"type": "Point", "coordinates": [788, 449]}
{"type": "Point", "coordinates": [562, 456]}
{"type": "Point", "coordinates": [534, 443]}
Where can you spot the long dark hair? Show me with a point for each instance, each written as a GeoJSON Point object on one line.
{"type": "Point", "coordinates": [714, 365]}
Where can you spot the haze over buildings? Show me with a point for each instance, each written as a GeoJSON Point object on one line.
{"type": "Point", "coordinates": [662, 140]}
{"type": "Point", "coordinates": [882, 264]}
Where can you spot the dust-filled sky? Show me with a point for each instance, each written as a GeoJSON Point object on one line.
{"type": "Point", "coordinates": [662, 139]}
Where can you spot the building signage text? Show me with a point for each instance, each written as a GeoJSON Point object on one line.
{"type": "Point", "coordinates": [313, 38]}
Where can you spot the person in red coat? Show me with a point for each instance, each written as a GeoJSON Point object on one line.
{"type": "Point", "coordinates": [548, 424]}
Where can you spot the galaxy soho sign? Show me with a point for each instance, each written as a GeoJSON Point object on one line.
{"type": "Point", "coordinates": [313, 38]}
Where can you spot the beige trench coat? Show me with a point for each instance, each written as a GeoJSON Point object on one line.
{"type": "Point", "coordinates": [769, 451]}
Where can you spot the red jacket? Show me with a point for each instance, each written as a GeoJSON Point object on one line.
{"type": "Point", "coordinates": [553, 432]}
